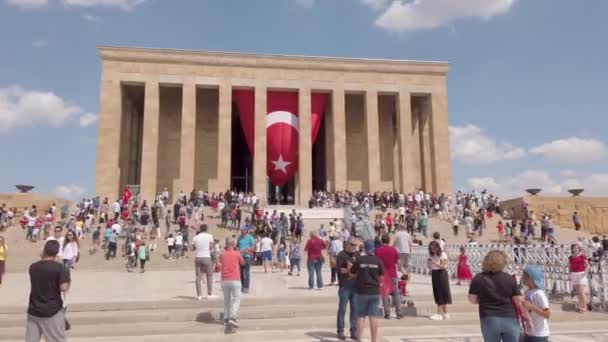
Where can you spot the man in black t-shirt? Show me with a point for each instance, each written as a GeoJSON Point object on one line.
{"type": "Point", "coordinates": [347, 293]}
{"type": "Point", "coordinates": [369, 271]}
{"type": "Point", "coordinates": [48, 279]}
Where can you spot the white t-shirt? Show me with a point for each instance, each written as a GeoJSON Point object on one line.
{"type": "Point", "coordinates": [179, 240]}
{"type": "Point", "coordinates": [170, 241]}
{"type": "Point", "coordinates": [403, 240]}
{"type": "Point", "coordinates": [540, 326]}
{"type": "Point", "coordinates": [401, 211]}
{"type": "Point", "coordinates": [436, 261]}
{"type": "Point", "coordinates": [201, 242]}
{"type": "Point", "coordinates": [70, 251]}
{"type": "Point", "coordinates": [116, 207]}
{"type": "Point", "coordinates": [266, 244]}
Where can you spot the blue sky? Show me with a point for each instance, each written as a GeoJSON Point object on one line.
{"type": "Point", "coordinates": [527, 84]}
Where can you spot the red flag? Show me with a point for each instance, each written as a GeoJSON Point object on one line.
{"type": "Point", "coordinates": [281, 136]}
{"type": "Point", "coordinates": [126, 196]}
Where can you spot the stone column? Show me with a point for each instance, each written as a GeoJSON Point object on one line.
{"type": "Point", "coordinates": [440, 142]}
{"type": "Point", "coordinates": [425, 117]}
{"type": "Point", "coordinates": [304, 147]}
{"type": "Point", "coordinates": [107, 171]}
{"type": "Point", "coordinates": [373, 140]}
{"type": "Point", "coordinates": [224, 140]}
{"type": "Point", "coordinates": [406, 172]}
{"type": "Point", "coordinates": [259, 149]}
{"type": "Point", "coordinates": [149, 155]}
{"type": "Point", "coordinates": [188, 140]}
{"type": "Point", "coordinates": [338, 129]}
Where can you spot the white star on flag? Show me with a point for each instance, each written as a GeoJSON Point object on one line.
{"type": "Point", "coordinates": [280, 164]}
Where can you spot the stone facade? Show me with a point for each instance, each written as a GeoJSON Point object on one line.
{"type": "Point", "coordinates": [592, 211]}
{"type": "Point", "coordinates": [166, 116]}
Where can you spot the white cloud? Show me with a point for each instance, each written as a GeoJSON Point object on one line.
{"type": "Point", "coordinates": [407, 16]}
{"type": "Point", "coordinates": [507, 187]}
{"type": "Point", "coordinates": [28, 4]}
{"type": "Point", "coordinates": [573, 149]}
{"type": "Point", "coordinates": [90, 17]}
{"type": "Point", "coordinates": [122, 4]}
{"type": "Point", "coordinates": [376, 5]}
{"type": "Point", "coordinates": [472, 145]}
{"type": "Point", "coordinates": [20, 107]}
{"type": "Point", "coordinates": [306, 3]}
{"type": "Point", "coordinates": [70, 191]}
{"type": "Point", "coordinates": [39, 43]}
{"type": "Point", "coordinates": [87, 119]}
{"type": "Point", "coordinates": [567, 173]}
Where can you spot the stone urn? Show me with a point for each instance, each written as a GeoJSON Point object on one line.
{"type": "Point", "coordinates": [24, 188]}
{"type": "Point", "coordinates": [534, 192]}
{"type": "Point", "coordinates": [576, 192]}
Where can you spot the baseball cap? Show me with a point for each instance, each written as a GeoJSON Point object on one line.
{"type": "Point", "coordinates": [245, 227]}
{"type": "Point", "coordinates": [536, 275]}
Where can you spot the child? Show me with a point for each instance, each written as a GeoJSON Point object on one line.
{"type": "Point", "coordinates": [402, 285]}
{"type": "Point", "coordinates": [281, 257]}
{"type": "Point", "coordinates": [179, 245]}
{"type": "Point", "coordinates": [501, 231]}
{"type": "Point", "coordinates": [508, 231]}
{"type": "Point", "coordinates": [295, 257]}
{"type": "Point", "coordinates": [537, 304]}
{"type": "Point", "coordinates": [143, 256]}
{"type": "Point", "coordinates": [95, 237]}
{"type": "Point", "coordinates": [463, 272]}
{"type": "Point", "coordinates": [171, 245]}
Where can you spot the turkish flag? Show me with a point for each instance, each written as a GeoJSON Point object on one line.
{"type": "Point", "coordinates": [282, 128]}
{"type": "Point", "coordinates": [281, 136]}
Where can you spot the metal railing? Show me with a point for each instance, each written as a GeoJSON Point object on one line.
{"type": "Point", "coordinates": [551, 259]}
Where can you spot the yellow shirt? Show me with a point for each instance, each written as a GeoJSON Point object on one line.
{"type": "Point", "coordinates": [3, 250]}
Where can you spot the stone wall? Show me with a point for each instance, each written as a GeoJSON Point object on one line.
{"type": "Point", "coordinates": [42, 202]}
{"type": "Point", "coordinates": [593, 211]}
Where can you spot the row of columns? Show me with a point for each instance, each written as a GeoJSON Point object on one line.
{"type": "Point", "coordinates": [433, 168]}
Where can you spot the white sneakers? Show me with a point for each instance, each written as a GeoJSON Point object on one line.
{"type": "Point", "coordinates": [199, 298]}
{"type": "Point", "coordinates": [438, 317]}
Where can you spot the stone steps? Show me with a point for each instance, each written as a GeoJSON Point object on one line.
{"type": "Point", "coordinates": [258, 317]}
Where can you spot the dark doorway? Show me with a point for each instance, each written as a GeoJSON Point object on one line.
{"type": "Point", "coordinates": [131, 134]}
{"type": "Point", "coordinates": [241, 159]}
{"type": "Point", "coordinates": [283, 194]}
{"type": "Point", "coordinates": [319, 169]}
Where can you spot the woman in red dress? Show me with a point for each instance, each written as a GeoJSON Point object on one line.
{"type": "Point", "coordinates": [463, 272]}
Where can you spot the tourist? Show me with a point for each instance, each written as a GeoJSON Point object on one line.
{"type": "Point", "coordinates": [497, 294]}
{"type": "Point", "coordinates": [295, 257]}
{"type": "Point", "coordinates": [578, 276]}
{"type": "Point", "coordinates": [369, 271]}
{"type": "Point", "coordinates": [347, 292]}
{"type": "Point", "coordinates": [171, 246]}
{"type": "Point", "coordinates": [179, 245]}
{"type": "Point", "coordinates": [463, 271]}
{"type": "Point", "coordinates": [282, 255]}
{"type": "Point", "coordinates": [168, 223]}
{"type": "Point", "coordinates": [3, 255]}
{"type": "Point", "coordinates": [48, 279]}
{"type": "Point", "coordinates": [112, 245]}
{"type": "Point", "coordinates": [314, 248]}
{"type": "Point", "coordinates": [245, 245]}
{"type": "Point", "coordinates": [455, 226]}
{"type": "Point", "coordinates": [440, 241]}
{"type": "Point", "coordinates": [130, 250]}
{"type": "Point", "coordinates": [266, 247]}
{"type": "Point", "coordinates": [231, 260]}
{"type": "Point", "coordinates": [537, 304]}
{"type": "Point", "coordinates": [70, 250]}
{"type": "Point", "coordinates": [403, 243]}
{"type": "Point", "coordinates": [335, 247]}
{"type": "Point", "coordinates": [437, 263]}
{"type": "Point", "coordinates": [390, 259]}
{"type": "Point", "coordinates": [576, 221]}
{"type": "Point", "coordinates": [57, 236]}
{"type": "Point", "coordinates": [424, 219]}
{"type": "Point", "coordinates": [143, 255]}
{"type": "Point", "coordinates": [203, 263]}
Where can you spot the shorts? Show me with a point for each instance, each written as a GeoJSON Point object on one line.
{"type": "Point", "coordinates": [267, 255]}
{"type": "Point", "coordinates": [367, 305]}
{"type": "Point", "coordinates": [579, 278]}
{"type": "Point", "coordinates": [404, 260]}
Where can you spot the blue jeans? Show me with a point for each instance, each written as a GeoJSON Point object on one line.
{"type": "Point", "coordinates": [295, 263]}
{"type": "Point", "coordinates": [314, 266]}
{"type": "Point", "coordinates": [497, 329]}
{"type": "Point", "coordinates": [346, 296]}
{"type": "Point", "coordinates": [245, 273]}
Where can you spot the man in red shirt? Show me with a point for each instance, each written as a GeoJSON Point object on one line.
{"type": "Point", "coordinates": [390, 259]}
{"type": "Point", "coordinates": [314, 248]}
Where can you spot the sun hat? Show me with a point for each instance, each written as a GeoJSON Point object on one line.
{"type": "Point", "coordinates": [536, 275]}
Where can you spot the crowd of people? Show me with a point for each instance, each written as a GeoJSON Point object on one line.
{"type": "Point", "coordinates": [370, 272]}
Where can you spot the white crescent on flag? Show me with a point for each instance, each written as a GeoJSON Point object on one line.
{"type": "Point", "coordinates": [282, 116]}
